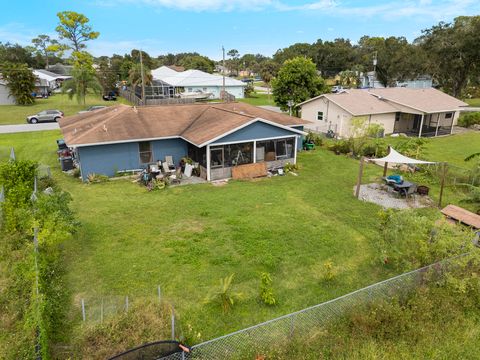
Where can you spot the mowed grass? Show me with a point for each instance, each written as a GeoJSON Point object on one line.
{"type": "Point", "coordinates": [186, 238]}
{"type": "Point", "coordinates": [16, 114]}
{"type": "Point", "coordinates": [451, 149]}
{"type": "Point", "coordinates": [473, 102]}
{"type": "Point", "coordinates": [258, 99]}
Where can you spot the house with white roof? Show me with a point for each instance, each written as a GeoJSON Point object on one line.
{"type": "Point", "coordinates": [417, 112]}
{"type": "Point", "coordinates": [49, 79]}
{"type": "Point", "coordinates": [196, 80]}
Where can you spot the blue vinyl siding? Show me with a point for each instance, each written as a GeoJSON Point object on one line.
{"type": "Point", "coordinates": [257, 130]}
{"type": "Point", "coordinates": [300, 137]}
{"type": "Point", "coordinates": [107, 159]}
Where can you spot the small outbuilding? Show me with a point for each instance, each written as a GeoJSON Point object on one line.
{"type": "Point", "coordinates": [217, 136]}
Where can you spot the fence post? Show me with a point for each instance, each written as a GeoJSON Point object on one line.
{"type": "Point", "coordinates": [159, 294]}
{"type": "Point", "coordinates": [292, 326]}
{"type": "Point", "coordinates": [101, 312]}
{"type": "Point", "coordinates": [126, 303]}
{"type": "Point", "coordinates": [173, 323]}
{"type": "Point", "coordinates": [83, 310]}
{"type": "Point", "coordinates": [442, 184]}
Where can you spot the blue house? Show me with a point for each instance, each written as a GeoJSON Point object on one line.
{"type": "Point", "coordinates": [216, 136]}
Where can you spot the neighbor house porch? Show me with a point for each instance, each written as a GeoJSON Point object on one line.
{"type": "Point", "coordinates": [425, 125]}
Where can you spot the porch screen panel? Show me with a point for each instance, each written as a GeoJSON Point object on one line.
{"type": "Point", "coordinates": [238, 154]}
{"type": "Point", "coordinates": [216, 155]}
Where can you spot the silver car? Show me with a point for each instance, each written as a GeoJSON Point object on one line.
{"type": "Point", "coordinates": [45, 115]}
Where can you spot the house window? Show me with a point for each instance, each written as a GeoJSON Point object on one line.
{"type": "Point", "coordinates": [320, 115]}
{"type": "Point", "coordinates": [448, 115]}
{"type": "Point", "coordinates": [216, 155]}
{"type": "Point", "coordinates": [145, 151]}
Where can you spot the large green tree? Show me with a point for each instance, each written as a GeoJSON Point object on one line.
{"type": "Point", "coordinates": [20, 82]}
{"type": "Point", "coordinates": [74, 28]}
{"type": "Point", "coordinates": [107, 75]}
{"type": "Point", "coordinates": [84, 78]}
{"type": "Point", "coordinates": [47, 47]}
{"type": "Point", "coordinates": [268, 70]}
{"type": "Point", "coordinates": [397, 59]}
{"type": "Point", "coordinates": [297, 81]}
{"type": "Point", "coordinates": [197, 62]}
{"type": "Point", "coordinates": [453, 52]}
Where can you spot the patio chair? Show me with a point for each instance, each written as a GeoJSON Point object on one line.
{"type": "Point", "coordinates": [166, 169]}
{"type": "Point", "coordinates": [169, 161]}
{"type": "Point", "coordinates": [412, 190]}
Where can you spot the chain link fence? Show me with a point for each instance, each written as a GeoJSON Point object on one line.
{"type": "Point", "coordinates": [261, 338]}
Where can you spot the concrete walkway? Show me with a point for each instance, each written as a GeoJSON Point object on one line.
{"type": "Point", "coordinates": [9, 129]}
{"type": "Point", "coordinates": [271, 108]}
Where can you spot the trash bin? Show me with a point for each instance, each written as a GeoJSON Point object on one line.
{"type": "Point", "coordinates": [66, 163]}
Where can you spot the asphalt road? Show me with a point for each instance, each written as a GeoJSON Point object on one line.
{"type": "Point", "coordinates": [8, 129]}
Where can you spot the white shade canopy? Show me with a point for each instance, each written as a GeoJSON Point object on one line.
{"type": "Point", "coordinates": [394, 157]}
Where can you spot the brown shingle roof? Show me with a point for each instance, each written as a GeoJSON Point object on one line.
{"type": "Point", "coordinates": [379, 101]}
{"type": "Point", "coordinates": [197, 123]}
{"type": "Point", "coordinates": [426, 100]}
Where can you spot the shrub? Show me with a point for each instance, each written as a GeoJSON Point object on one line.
{"type": "Point", "coordinates": [266, 289]}
{"type": "Point", "coordinates": [290, 167]}
{"type": "Point", "coordinates": [329, 270]}
{"type": "Point", "coordinates": [340, 147]}
{"type": "Point", "coordinates": [412, 239]}
{"type": "Point", "coordinates": [469, 119]}
{"type": "Point", "coordinates": [314, 138]}
{"type": "Point", "coordinates": [224, 296]}
{"type": "Point", "coordinates": [97, 178]}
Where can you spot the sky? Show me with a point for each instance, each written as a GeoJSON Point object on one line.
{"type": "Point", "coordinates": [250, 26]}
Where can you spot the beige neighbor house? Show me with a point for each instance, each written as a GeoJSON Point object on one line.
{"type": "Point", "coordinates": [416, 112]}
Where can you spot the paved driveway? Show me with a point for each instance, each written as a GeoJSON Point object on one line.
{"type": "Point", "coordinates": [8, 129]}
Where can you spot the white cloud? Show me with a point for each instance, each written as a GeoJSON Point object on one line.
{"type": "Point", "coordinates": [205, 5]}
{"type": "Point", "coordinates": [438, 10]}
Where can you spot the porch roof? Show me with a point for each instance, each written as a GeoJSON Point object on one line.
{"type": "Point", "coordinates": [427, 100]}
{"type": "Point", "coordinates": [198, 124]}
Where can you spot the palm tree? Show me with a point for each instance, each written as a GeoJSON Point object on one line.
{"type": "Point", "coordinates": [135, 75]}
{"type": "Point", "coordinates": [82, 81]}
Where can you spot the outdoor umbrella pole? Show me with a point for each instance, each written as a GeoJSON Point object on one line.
{"type": "Point", "coordinates": [385, 167]}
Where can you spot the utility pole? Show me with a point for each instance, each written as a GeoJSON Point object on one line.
{"type": "Point", "coordinates": [374, 68]}
{"type": "Point", "coordinates": [223, 73]}
{"type": "Point", "coordinates": [143, 78]}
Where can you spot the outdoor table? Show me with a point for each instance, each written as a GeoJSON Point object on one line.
{"type": "Point", "coordinates": [403, 187]}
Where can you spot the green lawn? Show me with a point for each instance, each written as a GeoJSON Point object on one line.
{"type": "Point", "coordinates": [258, 99]}
{"type": "Point", "coordinates": [16, 114]}
{"type": "Point", "coordinates": [187, 238]}
{"type": "Point", "coordinates": [473, 102]}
